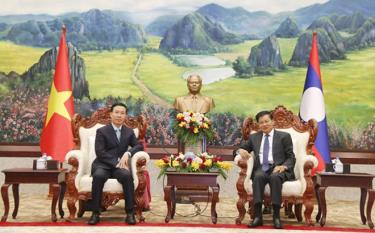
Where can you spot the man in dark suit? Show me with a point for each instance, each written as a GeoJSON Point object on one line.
{"type": "Point", "coordinates": [112, 158]}
{"type": "Point", "coordinates": [273, 164]}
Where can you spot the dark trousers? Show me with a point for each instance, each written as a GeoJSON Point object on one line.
{"type": "Point", "coordinates": [260, 179]}
{"type": "Point", "coordinates": [124, 177]}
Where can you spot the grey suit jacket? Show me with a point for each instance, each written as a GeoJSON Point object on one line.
{"type": "Point", "coordinates": [282, 152]}
{"type": "Point", "coordinates": [109, 149]}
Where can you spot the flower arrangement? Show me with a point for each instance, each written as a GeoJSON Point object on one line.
{"type": "Point", "coordinates": [192, 126]}
{"type": "Point", "coordinates": [191, 163]}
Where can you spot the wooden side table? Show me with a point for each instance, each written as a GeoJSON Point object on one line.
{"type": "Point", "coordinates": [18, 176]}
{"type": "Point", "coordinates": [208, 180]}
{"type": "Point", "coordinates": [357, 180]}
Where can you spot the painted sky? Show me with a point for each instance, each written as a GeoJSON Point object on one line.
{"type": "Point", "coordinates": [142, 6]}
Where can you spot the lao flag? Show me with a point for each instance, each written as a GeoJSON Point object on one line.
{"type": "Point", "coordinates": [312, 106]}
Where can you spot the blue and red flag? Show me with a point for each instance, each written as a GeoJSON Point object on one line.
{"type": "Point", "coordinates": [312, 106]}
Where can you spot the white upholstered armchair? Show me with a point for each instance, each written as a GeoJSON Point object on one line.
{"type": "Point", "coordinates": [299, 191]}
{"type": "Point", "coordinates": [79, 178]}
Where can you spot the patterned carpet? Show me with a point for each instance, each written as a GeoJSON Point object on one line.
{"type": "Point", "coordinates": [342, 214]}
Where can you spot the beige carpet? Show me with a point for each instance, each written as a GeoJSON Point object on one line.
{"type": "Point", "coordinates": [343, 214]}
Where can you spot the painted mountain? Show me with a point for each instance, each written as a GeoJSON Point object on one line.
{"type": "Point", "coordinates": [287, 29]}
{"type": "Point", "coordinates": [197, 32]}
{"type": "Point", "coordinates": [349, 23]}
{"type": "Point", "coordinates": [306, 15]}
{"type": "Point", "coordinates": [330, 43]}
{"type": "Point", "coordinates": [239, 20]}
{"type": "Point", "coordinates": [262, 24]}
{"type": "Point", "coordinates": [94, 29]}
{"type": "Point", "coordinates": [160, 25]}
{"type": "Point", "coordinates": [364, 37]}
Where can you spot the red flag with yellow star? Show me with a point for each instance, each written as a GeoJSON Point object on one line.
{"type": "Point", "coordinates": [57, 137]}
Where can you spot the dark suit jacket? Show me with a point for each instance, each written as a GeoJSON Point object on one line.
{"type": "Point", "coordinates": [282, 152]}
{"type": "Point", "coordinates": [109, 150]}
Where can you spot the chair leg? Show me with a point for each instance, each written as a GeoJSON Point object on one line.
{"type": "Point", "coordinates": [309, 207]}
{"type": "Point", "coordinates": [71, 202]}
{"type": "Point", "coordinates": [298, 211]}
{"type": "Point", "coordinates": [286, 208]}
{"type": "Point", "coordinates": [290, 211]}
{"type": "Point", "coordinates": [241, 208]}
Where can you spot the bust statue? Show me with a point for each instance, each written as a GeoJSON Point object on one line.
{"type": "Point", "coordinates": [194, 101]}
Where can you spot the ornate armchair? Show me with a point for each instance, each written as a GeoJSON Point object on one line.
{"type": "Point", "coordinates": [79, 178]}
{"type": "Point", "coordinates": [299, 191]}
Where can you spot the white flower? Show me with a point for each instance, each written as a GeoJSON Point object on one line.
{"type": "Point", "coordinates": [181, 156]}
{"type": "Point", "coordinates": [198, 160]}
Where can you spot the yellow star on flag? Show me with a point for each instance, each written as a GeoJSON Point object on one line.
{"type": "Point", "coordinates": [56, 103]}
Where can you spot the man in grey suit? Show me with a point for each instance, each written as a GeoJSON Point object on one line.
{"type": "Point", "coordinates": [112, 159]}
{"type": "Point", "coordinates": [273, 164]}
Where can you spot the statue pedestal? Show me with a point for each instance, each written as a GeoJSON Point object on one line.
{"type": "Point", "coordinates": [197, 148]}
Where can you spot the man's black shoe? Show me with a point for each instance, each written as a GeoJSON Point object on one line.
{"type": "Point", "coordinates": [94, 219]}
{"type": "Point", "coordinates": [256, 222]}
{"type": "Point", "coordinates": [130, 219]}
{"type": "Point", "coordinates": [277, 223]}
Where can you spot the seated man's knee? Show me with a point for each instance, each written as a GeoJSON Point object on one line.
{"type": "Point", "coordinates": [275, 178]}
{"type": "Point", "coordinates": [123, 175]}
{"type": "Point", "coordinates": [99, 175]}
{"type": "Point", "coordinates": [258, 175]}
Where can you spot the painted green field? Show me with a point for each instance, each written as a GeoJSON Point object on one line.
{"type": "Point", "coordinates": [153, 41]}
{"type": "Point", "coordinates": [162, 77]}
{"type": "Point", "coordinates": [18, 58]}
{"type": "Point", "coordinates": [287, 46]}
{"type": "Point", "coordinates": [109, 73]}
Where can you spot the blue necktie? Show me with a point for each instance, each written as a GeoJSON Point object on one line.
{"type": "Point", "coordinates": [266, 150]}
{"type": "Point", "coordinates": [118, 134]}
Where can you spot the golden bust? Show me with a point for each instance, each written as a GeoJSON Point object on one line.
{"type": "Point", "coordinates": [194, 101]}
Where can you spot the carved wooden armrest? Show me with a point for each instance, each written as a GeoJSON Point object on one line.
{"type": "Point", "coordinates": [74, 158]}
{"type": "Point", "coordinates": [309, 162]}
{"type": "Point", "coordinates": [246, 168]}
{"type": "Point", "coordinates": [138, 165]}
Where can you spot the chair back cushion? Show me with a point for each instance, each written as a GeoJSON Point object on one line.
{"type": "Point", "coordinates": [87, 138]}
{"type": "Point", "coordinates": [300, 141]}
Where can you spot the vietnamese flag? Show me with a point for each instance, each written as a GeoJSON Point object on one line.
{"type": "Point", "coordinates": [57, 137]}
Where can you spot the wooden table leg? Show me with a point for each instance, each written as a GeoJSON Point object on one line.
{"type": "Point", "coordinates": [173, 200]}
{"type": "Point", "coordinates": [323, 204]}
{"type": "Point", "coordinates": [55, 191]}
{"type": "Point", "coordinates": [319, 214]}
{"type": "Point", "coordinates": [215, 199]}
{"type": "Point", "coordinates": [362, 205]}
{"type": "Point", "coordinates": [61, 198]}
{"type": "Point", "coordinates": [370, 202]}
{"type": "Point", "coordinates": [167, 199]}
{"type": "Point", "coordinates": [16, 196]}
{"type": "Point", "coordinates": [4, 194]}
